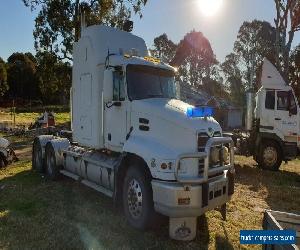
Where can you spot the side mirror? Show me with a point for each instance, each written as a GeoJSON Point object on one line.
{"type": "Point", "coordinates": [108, 86]}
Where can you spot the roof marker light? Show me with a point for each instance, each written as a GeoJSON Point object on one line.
{"type": "Point", "coordinates": [199, 112]}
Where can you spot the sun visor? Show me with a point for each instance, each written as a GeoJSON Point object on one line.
{"type": "Point", "coordinates": [271, 78]}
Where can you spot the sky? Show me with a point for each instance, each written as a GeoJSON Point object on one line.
{"type": "Point", "coordinates": [173, 17]}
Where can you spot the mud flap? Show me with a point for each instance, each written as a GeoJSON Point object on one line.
{"type": "Point", "coordinates": [183, 229]}
{"type": "Point", "coordinates": [230, 177]}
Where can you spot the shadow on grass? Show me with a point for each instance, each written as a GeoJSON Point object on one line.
{"type": "Point", "coordinates": [283, 187]}
{"type": "Point", "coordinates": [39, 214]}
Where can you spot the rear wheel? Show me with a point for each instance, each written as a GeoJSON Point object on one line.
{"type": "Point", "coordinates": [37, 156]}
{"type": "Point", "coordinates": [138, 198]}
{"type": "Point", "coordinates": [270, 157]}
{"type": "Point", "coordinates": [52, 170]}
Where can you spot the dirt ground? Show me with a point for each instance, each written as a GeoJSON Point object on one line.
{"type": "Point", "coordinates": [39, 214]}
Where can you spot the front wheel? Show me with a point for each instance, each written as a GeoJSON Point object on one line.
{"type": "Point", "coordinates": [138, 198]}
{"type": "Point", "coordinates": [270, 157]}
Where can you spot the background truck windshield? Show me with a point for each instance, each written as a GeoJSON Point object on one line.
{"type": "Point", "coordinates": [150, 82]}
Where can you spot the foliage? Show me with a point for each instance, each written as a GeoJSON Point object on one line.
{"type": "Point", "coordinates": [54, 78]}
{"type": "Point", "coordinates": [195, 58]}
{"type": "Point", "coordinates": [22, 79]}
{"type": "Point", "coordinates": [287, 22]}
{"type": "Point", "coordinates": [3, 78]}
{"type": "Point", "coordinates": [57, 24]}
{"type": "Point", "coordinates": [234, 79]}
{"type": "Point", "coordinates": [294, 71]}
{"type": "Point", "coordinates": [164, 48]}
{"type": "Point", "coordinates": [255, 41]}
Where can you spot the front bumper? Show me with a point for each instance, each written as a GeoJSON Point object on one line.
{"type": "Point", "coordinates": [175, 200]}
{"type": "Point", "coordinates": [191, 197]}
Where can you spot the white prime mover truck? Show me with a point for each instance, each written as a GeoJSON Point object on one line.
{"type": "Point", "coordinates": [134, 141]}
{"type": "Point", "coordinates": [273, 122]}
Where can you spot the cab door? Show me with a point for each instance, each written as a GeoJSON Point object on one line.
{"type": "Point", "coordinates": [266, 110]}
{"type": "Point", "coordinates": [115, 113]}
{"type": "Point", "coordinates": [286, 115]}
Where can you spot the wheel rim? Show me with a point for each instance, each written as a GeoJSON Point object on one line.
{"type": "Point", "coordinates": [135, 199]}
{"type": "Point", "coordinates": [270, 156]}
{"type": "Point", "coordinates": [38, 158]}
{"type": "Point", "coordinates": [50, 163]}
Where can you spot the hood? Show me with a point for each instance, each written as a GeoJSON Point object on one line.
{"type": "Point", "coordinates": [174, 111]}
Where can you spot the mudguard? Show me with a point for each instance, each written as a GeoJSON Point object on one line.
{"type": "Point", "coordinates": [150, 150]}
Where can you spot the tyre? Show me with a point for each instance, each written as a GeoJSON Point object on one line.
{"type": "Point", "coordinates": [52, 170]}
{"type": "Point", "coordinates": [138, 199]}
{"type": "Point", "coordinates": [3, 161]}
{"type": "Point", "coordinates": [270, 156]}
{"type": "Point", "coordinates": [37, 156]}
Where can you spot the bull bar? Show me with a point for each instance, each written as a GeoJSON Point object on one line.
{"type": "Point", "coordinates": [212, 142]}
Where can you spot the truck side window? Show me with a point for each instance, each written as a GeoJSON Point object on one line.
{"type": "Point", "coordinates": [118, 87]}
{"type": "Point", "coordinates": [293, 105]}
{"type": "Point", "coordinates": [270, 99]}
{"type": "Point", "coordinates": [283, 100]}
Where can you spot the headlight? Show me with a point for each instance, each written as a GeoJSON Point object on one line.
{"type": "Point", "coordinates": [215, 155]}
{"type": "Point", "coordinates": [219, 155]}
{"type": "Point", "coordinates": [225, 154]}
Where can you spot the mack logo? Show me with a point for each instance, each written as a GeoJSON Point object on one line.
{"type": "Point", "coordinates": [210, 132]}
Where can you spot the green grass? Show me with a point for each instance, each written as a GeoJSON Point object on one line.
{"type": "Point", "coordinates": [27, 118]}
{"type": "Point", "coordinates": [39, 214]}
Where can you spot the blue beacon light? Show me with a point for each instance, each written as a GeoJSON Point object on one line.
{"type": "Point", "coordinates": [199, 112]}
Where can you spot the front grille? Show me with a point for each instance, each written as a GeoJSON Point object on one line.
{"type": "Point", "coordinates": [202, 141]}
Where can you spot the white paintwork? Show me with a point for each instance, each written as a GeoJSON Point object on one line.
{"type": "Point", "coordinates": [94, 119]}
{"type": "Point", "coordinates": [271, 78]}
{"type": "Point", "coordinates": [285, 125]}
{"type": "Point", "coordinates": [89, 55]}
{"type": "Point", "coordinates": [171, 133]}
{"type": "Point", "coordinates": [98, 124]}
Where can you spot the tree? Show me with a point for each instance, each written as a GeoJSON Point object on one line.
{"type": "Point", "coordinates": [287, 22]}
{"type": "Point", "coordinates": [255, 41]}
{"type": "Point", "coordinates": [3, 78]}
{"type": "Point", "coordinates": [294, 71]}
{"type": "Point", "coordinates": [164, 48]}
{"type": "Point", "coordinates": [57, 24]}
{"type": "Point", "coordinates": [195, 58]}
{"type": "Point", "coordinates": [54, 78]}
{"type": "Point", "coordinates": [21, 77]}
{"type": "Point", "coordinates": [234, 79]}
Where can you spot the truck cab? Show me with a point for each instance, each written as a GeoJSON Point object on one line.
{"type": "Point", "coordinates": [135, 141]}
{"type": "Point", "coordinates": [278, 120]}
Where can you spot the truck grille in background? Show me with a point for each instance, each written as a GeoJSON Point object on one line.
{"type": "Point", "coordinates": [202, 140]}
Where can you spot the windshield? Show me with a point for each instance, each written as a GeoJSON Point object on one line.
{"type": "Point", "coordinates": [150, 82]}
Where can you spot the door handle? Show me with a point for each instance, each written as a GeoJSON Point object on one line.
{"type": "Point", "coordinates": [277, 119]}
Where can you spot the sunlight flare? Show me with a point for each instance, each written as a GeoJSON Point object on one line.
{"type": "Point", "coordinates": [210, 7]}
